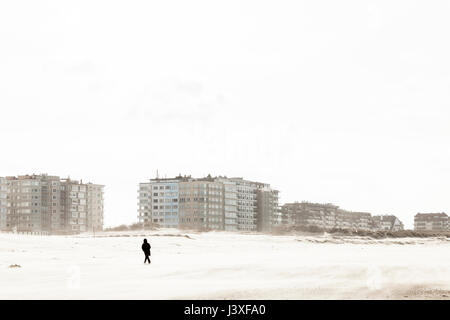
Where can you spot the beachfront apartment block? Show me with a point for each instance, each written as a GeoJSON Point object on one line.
{"type": "Point", "coordinates": [269, 215]}
{"type": "Point", "coordinates": [94, 207]}
{"type": "Point", "coordinates": [256, 204]}
{"type": "Point", "coordinates": [431, 222]}
{"type": "Point", "coordinates": [324, 216]}
{"type": "Point", "coordinates": [209, 203]}
{"type": "Point", "coordinates": [49, 204]}
{"type": "Point", "coordinates": [329, 216]}
{"type": "Point", "coordinates": [353, 220]}
{"type": "Point", "coordinates": [202, 204]}
{"type": "Point", "coordinates": [3, 202]}
{"type": "Point", "coordinates": [309, 214]}
{"type": "Point", "coordinates": [230, 205]}
{"type": "Point", "coordinates": [158, 202]}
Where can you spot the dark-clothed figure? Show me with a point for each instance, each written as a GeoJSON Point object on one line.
{"type": "Point", "coordinates": [146, 248]}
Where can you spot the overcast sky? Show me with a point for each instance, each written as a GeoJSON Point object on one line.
{"type": "Point", "coordinates": [345, 102]}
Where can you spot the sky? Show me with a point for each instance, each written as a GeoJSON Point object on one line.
{"type": "Point", "coordinates": [344, 102]}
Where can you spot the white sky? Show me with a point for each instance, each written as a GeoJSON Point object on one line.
{"type": "Point", "coordinates": [328, 101]}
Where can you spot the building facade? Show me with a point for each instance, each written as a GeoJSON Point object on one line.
{"type": "Point", "coordinates": [309, 214]}
{"type": "Point", "coordinates": [95, 207]}
{"type": "Point", "coordinates": [257, 205]}
{"type": "Point", "coordinates": [327, 216]}
{"type": "Point", "coordinates": [209, 203]}
{"type": "Point", "coordinates": [43, 203]}
{"type": "Point", "coordinates": [387, 223]}
{"type": "Point", "coordinates": [202, 204]}
{"type": "Point", "coordinates": [268, 214]}
{"type": "Point", "coordinates": [158, 202]}
{"type": "Point", "coordinates": [247, 209]}
{"type": "Point", "coordinates": [431, 222]}
{"type": "Point", "coordinates": [353, 220]}
{"type": "Point", "coordinates": [230, 205]}
{"type": "Point", "coordinates": [3, 202]}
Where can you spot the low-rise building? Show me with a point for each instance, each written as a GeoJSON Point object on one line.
{"type": "Point", "coordinates": [431, 222]}
{"type": "Point", "coordinates": [310, 214]}
{"type": "Point", "coordinates": [325, 216]}
{"type": "Point", "coordinates": [387, 223]}
{"type": "Point", "coordinates": [353, 220]}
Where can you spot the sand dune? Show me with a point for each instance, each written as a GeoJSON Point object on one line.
{"type": "Point", "coordinates": [219, 265]}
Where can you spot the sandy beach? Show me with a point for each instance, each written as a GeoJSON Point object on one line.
{"type": "Point", "coordinates": [222, 265]}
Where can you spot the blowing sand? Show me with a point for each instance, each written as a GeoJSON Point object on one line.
{"type": "Point", "coordinates": [222, 265]}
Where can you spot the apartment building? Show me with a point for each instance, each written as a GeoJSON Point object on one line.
{"type": "Point", "coordinates": [325, 216]}
{"type": "Point", "coordinates": [387, 223]}
{"type": "Point", "coordinates": [202, 204]}
{"type": "Point", "coordinates": [256, 206]}
{"type": "Point", "coordinates": [95, 207]}
{"type": "Point", "coordinates": [29, 205]}
{"type": "Point", "coordinates": [431, 222]}
{"type": "Point", "coordinates": [83, 206]}
{"type": "Point", "coordinates": [353, 220]}
{"type": "Point", "coordinates": [230, 204]}
{"type": "Point", "coordinates": [309, 214]}
{"type": "Point", "coordinates": [246, 203]}
{"type": "Point", "coordinates": [43, 203]}
{"type": "Point", "coordinates": [158, 202]}
{"type": "Point", "coordinates": [145, 203]}
{"type": "Point", "coordinates": [268, 213]}
{"type": "Point", "coordinates": [3, 202]}
{"type": "Point", "coordinates": [209, 203]}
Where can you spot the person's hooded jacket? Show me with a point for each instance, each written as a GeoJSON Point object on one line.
{"type": "Point", "coordinates": [146, 247]}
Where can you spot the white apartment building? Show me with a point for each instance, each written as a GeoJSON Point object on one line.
{"type": "Point", "coordinates": [158, 202]}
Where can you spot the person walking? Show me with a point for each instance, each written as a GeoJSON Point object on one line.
{"type": "Point", "coordinates": [146, 248]}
